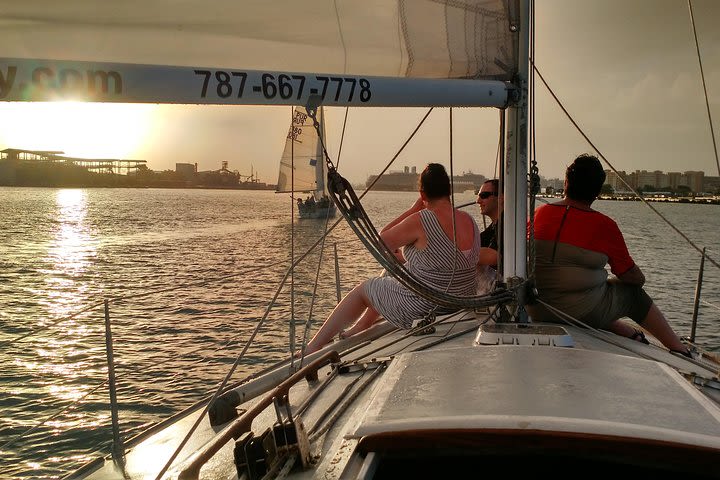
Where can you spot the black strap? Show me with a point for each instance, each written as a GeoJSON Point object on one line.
{"type": "Point", "coordinates": [557, 236]}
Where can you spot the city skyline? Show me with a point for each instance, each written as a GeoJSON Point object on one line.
{"type": "Point", "coordinates": [694, 181]}
{"type": "Point", "coordinates": [637, 92]}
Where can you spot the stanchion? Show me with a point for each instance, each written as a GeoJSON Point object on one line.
{"type": "Point", "coordinates": [117, 441]}
{"type": "Point", "coordinates": [696, 304]}
{"type": "Point", "coordinates": [337, 275]}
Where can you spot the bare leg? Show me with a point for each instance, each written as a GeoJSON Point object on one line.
{"type": "Point", "coordinates": [621, 328]}
{"type": "Point", "coordinates": [347, 312]}
{"type": "Point", "coordinates": [656, 324]}
{"type": "Point", "coordinates": [366, 321]}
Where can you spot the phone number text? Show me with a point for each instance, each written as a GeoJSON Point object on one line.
{"type": "Point", "coordinates": [227, 84]}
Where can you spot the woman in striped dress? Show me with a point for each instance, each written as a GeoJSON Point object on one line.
{"type": "Point", "coordinates": [422, 237]}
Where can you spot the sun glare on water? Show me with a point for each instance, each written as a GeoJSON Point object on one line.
{"type": "Point", "coordinates": [86, 130]}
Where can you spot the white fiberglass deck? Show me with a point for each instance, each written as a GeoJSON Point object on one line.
{"type": "Point", "coordinates": [540, 388]}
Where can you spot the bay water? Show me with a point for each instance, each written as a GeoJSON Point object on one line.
{"type": "Point", "coordinates": [188, 274]}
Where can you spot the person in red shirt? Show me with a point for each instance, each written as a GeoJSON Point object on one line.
{"type": "Point", "coordinates": [574, 243]}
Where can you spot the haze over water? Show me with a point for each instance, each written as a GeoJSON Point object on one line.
{"type": "Point", "coordinates": [197, 269]}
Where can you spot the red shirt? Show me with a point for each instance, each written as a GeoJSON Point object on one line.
{"type": "Point", "coordinates": [590, 230]}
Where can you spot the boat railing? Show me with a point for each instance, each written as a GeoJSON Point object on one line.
{"type": "Point", "coordinates": [110, 383]}
{"type": "Point", "coordinates": [243, 424]}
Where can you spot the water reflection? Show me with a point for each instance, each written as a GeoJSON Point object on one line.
{"type": "Point", "coordinates": [69, 254]}
{"type": "Point", "coordinates": [63, 354]}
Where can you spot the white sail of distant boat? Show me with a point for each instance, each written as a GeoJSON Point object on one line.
{"type": "Point", "coordinates": [302, 166]}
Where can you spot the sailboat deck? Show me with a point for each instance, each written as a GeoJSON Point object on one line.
{"type": "Point", "coordinates": [540, 388]}
{"type": "Point", "coordinates": [459, 394]}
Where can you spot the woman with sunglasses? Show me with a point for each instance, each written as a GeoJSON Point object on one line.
{"type": "Point", "coordinates": [440, 246]}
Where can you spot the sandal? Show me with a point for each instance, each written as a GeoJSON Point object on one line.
{"type": "Point", "coordinates": [423, 331]}
{"type": "Point", "coordinates": [639, 336]}
{"type": "Point", "coordinates": [687, 353]}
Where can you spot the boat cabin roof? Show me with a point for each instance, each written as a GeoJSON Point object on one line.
{"type": "Point", "coordinates": [532, 400]}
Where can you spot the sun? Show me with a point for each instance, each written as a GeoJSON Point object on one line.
{"type": "Point", "coordinates": [86, 130]}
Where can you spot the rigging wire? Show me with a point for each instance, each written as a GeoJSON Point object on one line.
{"type": "Point", "coordinates": [353, 211]}
{"type": "Point", "coordinates": [702, 76]}
{"type": "Point", "coordinates": [239, 358]}
{"type": "Point", "coordinates": [342, 137]}
{"type": "Point", "coordinates": [225, 380]}
{"type": "Point", "coordinates": [291, 332]}
{"type": "Point", "coordinates": [244, 272]}
{"type": "Point", "coordinates": [581, 132]}
{"type": "Point", "coordinates": [349, 204]}
{"type": "Point", "coordinates": [124, 298]}
{"type": "Point", "coordinates": [501, 144]}
{"type": "Point", "coordinates": [705, 302]}
{"type": "Point", "coordinates": [534, 179]}
{"type": "Point", "coordinates": [431, 315]}
{"type": "Point", "coordinates": [603, 335]}
{"type": "Point", "coordinates": [414, 332]}
{"type": "Point", "coordinates": [308, 323]}
{"type": "Point", "coordinates": [68, 407]}
{"type": "Point", "coordinates": [392, 160]}
{"type": "Point", "coordinates": [72, 405]}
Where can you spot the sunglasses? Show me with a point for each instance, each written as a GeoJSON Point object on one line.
{"type": "Point", "coordinates": [485, 195]}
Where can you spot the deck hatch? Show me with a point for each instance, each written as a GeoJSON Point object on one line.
{"type": "Point", "coordinates": [523, 334]}
{"type": "Point", "coordinates": [545, 389]}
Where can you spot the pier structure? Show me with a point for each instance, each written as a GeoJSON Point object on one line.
{"type": "Point", "coordinates": [97, 165]}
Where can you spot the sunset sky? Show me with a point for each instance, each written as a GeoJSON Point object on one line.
{"type": "Point", "coordinates": [626, 70]}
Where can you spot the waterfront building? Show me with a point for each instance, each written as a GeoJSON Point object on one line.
{"type": "Point", "coordinates": [406, 180]}
{"type": "Point", "coordinates": [711, 184]}
{"type": "Point", "coordinates": [37, 158]}
{"type": "Point", "coordinates": [658, 180]}
{"type": "Point", "coordinates": [695, 180]}
{"type": "Point", "coordinates": [187, 170]}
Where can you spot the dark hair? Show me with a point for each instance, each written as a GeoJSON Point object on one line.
{"type": "Point", "coordinates": [585, 178]}
{"type": "Point", "coordinates": [495, 183]}
{"type": "Point", "coordinates": [434, 181]}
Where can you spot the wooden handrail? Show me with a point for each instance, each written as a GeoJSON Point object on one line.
{"type": "Point", "coordinates": [244, 422]}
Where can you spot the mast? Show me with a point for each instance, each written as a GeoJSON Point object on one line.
{"type": "Point", "coordinates": [514, 228]}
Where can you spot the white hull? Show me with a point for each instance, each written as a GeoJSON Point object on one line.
{"type": "Point", "coordinates": [613, 405]}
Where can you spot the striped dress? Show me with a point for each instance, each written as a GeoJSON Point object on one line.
{"type": "Point", "coordinates": [433, 266]}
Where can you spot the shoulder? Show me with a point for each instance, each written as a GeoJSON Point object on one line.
{"type": "Point", "coordinates": [468, 221]}
{"type": "Point", "coordinates": [416, 218]}
{"type": "Point", "coordinates": [466, 217]}
{"type": "Point", "coordinates": [601, 218]}
{"type": "Point", "coordinates": [548, 209]}
{"type": "Point", "coordinates": [411, 222]}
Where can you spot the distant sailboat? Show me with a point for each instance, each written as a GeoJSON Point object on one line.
{"type": "Point", "coordinates": [302, 167]}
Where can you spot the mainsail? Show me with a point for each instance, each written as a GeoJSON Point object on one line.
{"type": "Point", "coordinates": [302, 164]}
{"type": "Point", "coordinates": [420, 39]}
